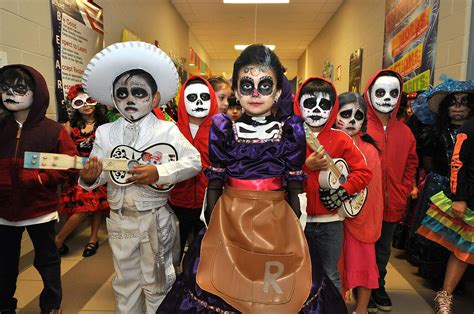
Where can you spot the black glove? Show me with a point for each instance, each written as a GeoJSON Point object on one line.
{"type": "Point", "coordinates": [214, 192]}
{"type": "Point", "coordinates": [294, 188]}
{"type": "Point", "coordinates": [333, 198]}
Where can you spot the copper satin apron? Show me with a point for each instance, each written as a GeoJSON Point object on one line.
{"type": "Point", "coordinates": [254, 254]}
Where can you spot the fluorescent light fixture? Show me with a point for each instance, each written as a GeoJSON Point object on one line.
{"type": "Point", "coordinates": [242, 47]}
{"type": "Point", "coordinates": [257, 1]}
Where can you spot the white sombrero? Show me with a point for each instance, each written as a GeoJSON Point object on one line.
{"type": "Point", "coordinates": [118, 58]}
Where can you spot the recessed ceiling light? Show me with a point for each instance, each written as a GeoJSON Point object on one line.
{"type": "Point", "coordinates": [257, 1]}
{"type": "Point", "coordinates": [242, 47]}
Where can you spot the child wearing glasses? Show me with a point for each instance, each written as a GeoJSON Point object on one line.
{"type": "Point", "coordinates": [87, 116]}
{"type": "Point", "coordinates": [28, 198]}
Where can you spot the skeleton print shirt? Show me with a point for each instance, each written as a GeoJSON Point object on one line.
{"type": "Point", "coordinates": [256, 148]}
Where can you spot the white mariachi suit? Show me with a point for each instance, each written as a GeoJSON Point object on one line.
{"type": "Point", "coordinates": [142, 229]}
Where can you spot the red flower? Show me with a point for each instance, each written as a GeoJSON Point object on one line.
{"type": "Point", "coordinates": [73, 91]}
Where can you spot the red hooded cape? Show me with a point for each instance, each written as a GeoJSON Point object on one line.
{"type": "Point", "coordinates": [338, 145]}
{"type": "Point", "coordinates": [398, 155]}
{"type": "Point", "coordinates": [196, 186]}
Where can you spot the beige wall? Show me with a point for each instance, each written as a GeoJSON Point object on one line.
{"type": "Point", "coordinates": [360, 24]}
{"type": "Point", "coordinates": [26, 34]}
{"type": "Point", "coordinates": [26, 37]}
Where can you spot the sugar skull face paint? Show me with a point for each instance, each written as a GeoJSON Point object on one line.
{"type": "Point", "coordinates": [197, 100]}
{"type": "Point", "coordinates": [133, 97]}
{"type": "Point", "coordinates": [458, 109]}
{"type": "Point", "coordinates": [257, 90]}
{"type": "Point", "coordinates": [16, 97]}
{"type": "Point", "coordinates": [316, 108]}
{"type": "Point", "coordinates": [384, 93]}
{"type": "Point", "coordinates": [350, 119]}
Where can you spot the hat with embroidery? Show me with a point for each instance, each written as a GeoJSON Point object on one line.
{"type": "Point", "coordinates": [119, 58]}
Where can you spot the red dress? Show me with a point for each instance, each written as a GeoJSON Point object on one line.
{"type": "Point", "coordinates": [75, 199]}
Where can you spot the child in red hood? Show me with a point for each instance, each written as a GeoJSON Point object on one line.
{"type": "Point", "coordinates": [399, 162]}
{"type": "Point", "coordinates": [316, 101]}
{"type": "Point", "coordinates": [28, 197]}
{"type": "Point", "coordinates": [197, 104]}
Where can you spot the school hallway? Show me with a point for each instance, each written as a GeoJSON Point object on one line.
{"type": "Point", "coordinates": [87, 285]}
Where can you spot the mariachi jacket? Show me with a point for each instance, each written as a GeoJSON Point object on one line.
{"type": "Point", "coordinates": [22, 195]}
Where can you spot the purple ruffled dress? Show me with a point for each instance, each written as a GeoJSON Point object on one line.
{"type": "Point", "coordinates": [251, 157]}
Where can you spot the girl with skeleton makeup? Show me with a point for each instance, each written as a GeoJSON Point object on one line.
{"type": "Point", "coordinates": [87, 116]}
{"type": "Point", "coordinates": [360, 233]}
{"type": "Point", "coordinates": [254, 258]}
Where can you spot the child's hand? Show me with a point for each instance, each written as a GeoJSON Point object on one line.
{"type": "Point", "coordinates": [91, 170]}
{"type": "Point", "coordinates": [143, 174]}
{"type": "Point", "coordinates": [317, 161]}
{"type": "Point", "coordinates": [414, 193]}
{"type": "Point", "coordinates": [459, 208]}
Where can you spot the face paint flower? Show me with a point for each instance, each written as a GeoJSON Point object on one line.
{"type": "Point", "coordinates": [350, 119]}
{"type": "Point", "coordinates": [384, 93]}
{"type": "Point", "coordinates": [133, 97]}
{"type": "Point", "coordinates": [316, 108]}
{"type": "Point", "coordinates": [197, 100]}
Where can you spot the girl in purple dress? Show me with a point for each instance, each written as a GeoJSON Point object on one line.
{"type": "Point", "coordinates": [254, 256]}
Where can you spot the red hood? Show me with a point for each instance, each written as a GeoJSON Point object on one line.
{"type": "Point", "coordinates": [183, 117]}
{"type": "Point", "coordinates": [371, 115]}
{"type": "Point", "coordinates": [40, 96]}
{"type": "Point", "coordinates": [335, 108]}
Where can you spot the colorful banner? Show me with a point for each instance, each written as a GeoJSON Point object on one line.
{"type": "Point", "coordinates": [411, 28]}
{"type": "Point", "coordinates": [78, 34]}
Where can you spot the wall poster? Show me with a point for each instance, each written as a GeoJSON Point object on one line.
{"type": "Point", "coordinates": [78, 34]}
{"type": "Point", "coordinates": [411, 28]}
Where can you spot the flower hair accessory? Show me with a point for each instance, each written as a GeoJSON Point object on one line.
{"type": "Point", "coordinates": [72, 93]}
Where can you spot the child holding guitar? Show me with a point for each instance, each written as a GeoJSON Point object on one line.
{"type": "Point", "coordinates": [316, 102]}
{"type": "Point", "coordinates": [135, 77]}
{"type": "Point", "coordinates": [360, 233]}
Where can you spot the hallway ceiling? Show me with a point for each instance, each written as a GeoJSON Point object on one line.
{"type": "Point", "coordinates": [291, 27]}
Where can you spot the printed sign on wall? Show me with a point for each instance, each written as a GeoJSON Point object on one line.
{"type": "Point", "coordinates": [410, 40]}
{"type": "Point", "coordinates": [78, 34]}
{"type": "Point", "coordinates": [355, 71]}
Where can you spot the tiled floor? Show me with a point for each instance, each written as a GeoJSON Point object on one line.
{"type": "Point", "coordinates": [87, 282]}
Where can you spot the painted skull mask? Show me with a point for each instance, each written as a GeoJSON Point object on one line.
{"type": "Point", "coordinates": [350, 118]}
{"type": "Point", "coordinates": [197, 100]}
{"type": "Point", "coordinates": [133, 97]}
{"type": "Point", "coordinates": [16, 97]}
{"type": "Point", "coordinates": [385, 93]}
{"type": "Point", "coordinates": [316, 108]}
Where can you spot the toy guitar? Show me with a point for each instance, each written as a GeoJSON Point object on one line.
{"type": "Point", "coordinates": [335, 176]}
{"type": "Point", "coordinates": [123, 158]}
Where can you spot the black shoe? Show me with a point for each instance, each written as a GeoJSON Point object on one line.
{"type": "Point", "coordinates": [382, 299]}
{"type": "Point", "coordinates": [91, 249]}
{"type": "Point", "coordinates": [63, 250]}
{"type": "Point", "coordinates": [372, 307]}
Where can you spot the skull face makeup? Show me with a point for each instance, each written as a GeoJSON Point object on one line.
{"type": "Point", "coordinates": [197, 100]}
{"type": "Point", "coordinates": [257, 90]}
{"type": "Point", "coordinates": [316, 108]}
{"type": "Point", "coordinates": [16, 97]}
{"type": "Point", "coordinates": [384, 93]}
{"type": "Point", "coordinates": [133, 97]}
{"type": "Point", "coordinates": [350, 119]}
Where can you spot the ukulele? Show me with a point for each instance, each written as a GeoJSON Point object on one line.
{"type": "Point", "coordinates": [335, 176]}
{"type": "Point", "coordinates": [123, 158]}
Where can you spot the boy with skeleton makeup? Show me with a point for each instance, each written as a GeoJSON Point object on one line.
{"type": "Point", "coordinates": [135, 77]}
{"type": "Point", "coordinates": [197, 104]}
{"type": "Point", "coordinates": [28, 197]}
{"type": "Point", "coordinates": [399, 162]}
{"type": "Point", "coordinates": [317, 103]}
